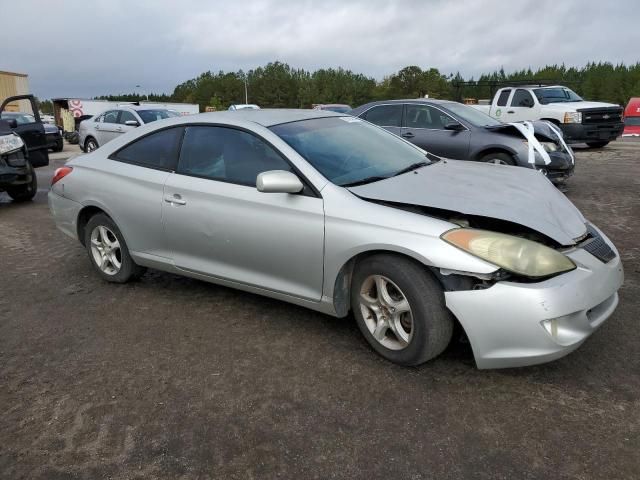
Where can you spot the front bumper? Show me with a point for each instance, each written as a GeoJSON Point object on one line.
{"type": "Point", "coordinates": [579, 133]}
{"type": "Point", "coordinates": [505, 323]}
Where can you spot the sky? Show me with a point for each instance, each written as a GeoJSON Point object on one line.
{"type": "Point", "coordinates": [84, 48]}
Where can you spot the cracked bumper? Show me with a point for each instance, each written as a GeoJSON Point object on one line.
{"type": "Point", "coordinates": [518, 324]}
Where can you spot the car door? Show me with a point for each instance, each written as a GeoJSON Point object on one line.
{"type": "Point", "coordinates": [521, 106]}
{"type": "Point", "coordinates": [218, 224]}
{"type": "Point", "coordinates": [131, 186]}
{"type": "Point", "coordinates": [124, 117]}
{"type": "Point", "coordinates": [424, 125]}
{"type": "Point", "coordinates": [107, 130]}
{"type": "Point", "coordinates": [388, 116]}
{"type": "Point", "coordinates": [31, 130]}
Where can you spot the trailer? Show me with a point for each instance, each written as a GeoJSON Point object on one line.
{"type": "Point", "coordinates": [68, 112]}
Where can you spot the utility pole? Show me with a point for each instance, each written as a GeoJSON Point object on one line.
{"type": "Point", "coordinates": [246, 93]}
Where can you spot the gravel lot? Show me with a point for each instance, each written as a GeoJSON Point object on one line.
{"type": "Point", "coordinates": [175, 378]}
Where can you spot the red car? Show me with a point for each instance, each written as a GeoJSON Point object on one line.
{"type": "Point", "coordinates": [632, 118]}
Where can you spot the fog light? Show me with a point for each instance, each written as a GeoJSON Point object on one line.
{"type": "Point", "coordinates": [551, 326]}
{"type": "Point", "coordinates": [543, 171]}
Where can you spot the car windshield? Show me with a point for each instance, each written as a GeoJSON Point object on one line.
{"type": "Point", "coordinates": [20, 118]}
{"type": "Point", "coordinates": [349, 151]}
{"type": "Point", "coordinates": [149, 116]}
{"type": "Point", "coordinates": [556, 95]}
{"type": "Point", "coordinates": [337, 108]}
{"type": "Point", "coordinates": [471, 115]}
{"type": "Point", "coordinates": [632, 121]}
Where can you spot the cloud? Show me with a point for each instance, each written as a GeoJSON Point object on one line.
{"type": "Point", "coordinates": [84, 48]}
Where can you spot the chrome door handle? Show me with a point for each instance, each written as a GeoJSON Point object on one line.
{"type": "Point", "coordinates": [510, 111]}
{"type": "Point", "coordinates": [408, 135]}
{"type": "Point", "coordinates": [119, 129]}
{"type": "Point", "coordinates": [175, 199]}
{"type": "Point", "coordinates": [97, 127]}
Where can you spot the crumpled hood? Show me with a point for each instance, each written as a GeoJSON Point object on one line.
{"type": "Point", "coordinates": [515, 194]}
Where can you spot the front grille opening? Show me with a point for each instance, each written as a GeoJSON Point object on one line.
{"type": "Point", "coordinates": [596, 246]}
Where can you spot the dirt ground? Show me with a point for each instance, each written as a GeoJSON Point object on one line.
{"type": "Point", "coordinates": [175, 378]}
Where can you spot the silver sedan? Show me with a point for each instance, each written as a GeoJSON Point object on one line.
{"type": "Point", "coordinates": [335, 214]}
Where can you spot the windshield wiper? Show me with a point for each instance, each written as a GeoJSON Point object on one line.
{"type": "Point", "coordinates": [411, 167]}
{"type": "Point", "coordinates": [364, 181]}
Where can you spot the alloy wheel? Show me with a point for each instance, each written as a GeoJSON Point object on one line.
{"type": "Point", "coordinates": [105, 249]}
{"type": "Point", "coordinates": [386, 312]}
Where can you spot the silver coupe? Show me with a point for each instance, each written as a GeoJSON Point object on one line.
{"type": "Point", "coordinates": [336, 214]}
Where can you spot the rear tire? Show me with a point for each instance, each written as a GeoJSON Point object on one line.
{"type": "Point", "coordinates": [59, 146]}
{"type": "Point", "coordinates": [499, 157]}
{"type": "Point", "coordinates": [597, 144]}
{"type": "Point", "coordinates": [108, 251]}
{"type": "Point", "coordinates": [408, 323]}
{"type": "Point", "coordinates": [26, 192]}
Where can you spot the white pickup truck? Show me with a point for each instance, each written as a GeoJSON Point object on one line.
{"type": "Point", "coordinates": [593, 123]}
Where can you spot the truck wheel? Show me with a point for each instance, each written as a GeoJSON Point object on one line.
{"type": "Point", "coordinates": [498, 158]}
{"type": "Point", "coordinates": [108, 251]}
{"type": "Point", "coordinates": [400, 309]}
{"type": "Point", "coordinates": [597, 144]}
{"type": "Point", "coordinates": [90, 145]}
{"type": "Point", "coordinates": [24, 193]}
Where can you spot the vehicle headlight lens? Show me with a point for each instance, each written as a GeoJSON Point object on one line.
{"type": "Point", "coordinates": [549, 146]}
{"type": "Point", "coordinates": [10, 143]}
{"type": "Point", "coordinates": [572, 117]}
{"type": "Point", "coordinates": [514, 254]}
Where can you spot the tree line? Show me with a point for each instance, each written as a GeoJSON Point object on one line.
{"type": "Point", "coordinates": [277, 85]}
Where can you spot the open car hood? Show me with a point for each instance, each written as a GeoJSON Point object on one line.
{"type": "Point", "coordinates": [515, 194]}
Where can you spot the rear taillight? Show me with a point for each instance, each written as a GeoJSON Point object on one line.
{"type": "Point", "coordinates": [60, 173]}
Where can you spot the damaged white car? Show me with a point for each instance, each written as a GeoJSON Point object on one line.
{"type": "Point", "coordinates": [335, 214]}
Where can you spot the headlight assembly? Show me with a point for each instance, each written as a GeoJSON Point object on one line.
{"type": "Point", "coordinates": [514, 254]}
{"type": "Point", "coordinates": [572, 117]}
{"type": "Point", "coordinates": [10, 143]}
{"type": "Point", "coordinates": [549, 146]}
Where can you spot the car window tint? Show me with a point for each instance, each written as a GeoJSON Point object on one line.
{"type": "Point", "coordinates": [522, 98]}
{"type": "Point", "coordinates": [111, 116]}
{"type": "Point", "coordinates": [157, 150]}
{"type": "Point", "coordinates": [385, 115]}
{"type": "Point", "coordinates": [227, 154]}
{"type": "Point", "coordinates": [425, 116]}
{"type": "Point", "coordinates": [504, 96]}
{"type": "Point", "coordinates": [126, 115]}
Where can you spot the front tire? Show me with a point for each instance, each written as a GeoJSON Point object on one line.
{"type": "Point", "coordinates": [108, 251]}
{"type": "Point", "coordinates": [59, 146]}
{"type": "Point", "coordinates": [90, 145]}
{"type": "Point", "coordinates": [597, 144]}
{"type": "Point", "coordinates": [400, 309]}
{"type": "Point", "coordinates": [26, 192]}
{"type": "Point", "coordinates": [499, 158]}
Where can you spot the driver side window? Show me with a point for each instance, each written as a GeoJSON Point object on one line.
{"type": "Point", "coordinates": [522, 98]}
{"type": "Point", "coordinates": [227, 154]}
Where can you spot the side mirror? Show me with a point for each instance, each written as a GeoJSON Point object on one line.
{"type": "Point", "coordinates": [13, 123]}
{"type": "Point", "coordinates": [131, 123]}
{"type": "Point", "coordinates": [278, 181]}
{"type": "Point", "coordinates": [455, 126]}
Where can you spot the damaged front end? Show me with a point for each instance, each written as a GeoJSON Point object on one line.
{"type": "Point", "coordinates": [546, 150]}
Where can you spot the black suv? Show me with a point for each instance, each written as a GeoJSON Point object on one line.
{"type": "Point", "coordinates": [23, 147]}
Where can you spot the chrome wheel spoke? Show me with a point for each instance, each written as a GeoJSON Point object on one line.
{"type": "Point", "coordinates": [381, 330]}
{"type": "Point", "coordinates": [383, 292]}
{"type": "Point", "coordinates": [398, 330]}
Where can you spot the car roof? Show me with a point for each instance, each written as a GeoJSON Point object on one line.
{"type": "Point", "coordinates": [266, 117]}
{"type": "Point", "coordinates": [427, 101]}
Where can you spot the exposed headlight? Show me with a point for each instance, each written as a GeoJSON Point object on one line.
{"type": "Point", "coordinates": [549, 146]}
{"type": "Point", "coordinates": [572, 117]}
{"type": "Point", "coordinates": [514, 254]}
{"type": "Point", "coordinates": [10, 143]}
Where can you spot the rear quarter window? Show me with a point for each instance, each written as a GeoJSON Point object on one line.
{"type": "Point", "coordinates": [504, 96]}
{"type": "Point", "coordinates": [157, 150]}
